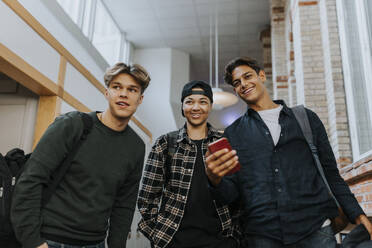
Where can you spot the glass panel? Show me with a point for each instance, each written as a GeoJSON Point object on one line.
{"type": "Point", "coordinates": [87, 18]}
{"type": "Point", "coordinates": [106, 36]}
{"type": "Point", "coordinates": [124, 49]}
{"type": "Point", "coordinates": [368, 6]}
{"type": "Point", "coordinates": [355, 63]}
{"type": "Point", "coordinates": [72, 8]}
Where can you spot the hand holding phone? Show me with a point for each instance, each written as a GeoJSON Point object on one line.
{"type": "Point", "coordinates": [222, 144]}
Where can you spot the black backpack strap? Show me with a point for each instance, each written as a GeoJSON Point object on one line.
{"type": "Point", "coordinates": [3, 171]}
{"type": "Point", "coordinates": [171, 150]}
{"type": "Point", "coordinates": [172, 143]}
{"type": "Point", "coordinates": [303, 120]}
{"type": "Point", "coordinates": [63, 168]}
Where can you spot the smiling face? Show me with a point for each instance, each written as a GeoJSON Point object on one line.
{"type": "Point", "coordinates": [124, 96]}
{"type": "Point", "coordinates": [196, 108]}
{"type": "Point", "coordinates": [248, 85]}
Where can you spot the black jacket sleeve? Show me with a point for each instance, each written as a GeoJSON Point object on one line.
{"type": "Point", "coordinates": [327, 158]}
{"type": "Point", "coordinates": [227, 191]}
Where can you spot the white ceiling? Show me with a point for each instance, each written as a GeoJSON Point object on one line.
{"type": "Point", "coordinates": [185, 25]}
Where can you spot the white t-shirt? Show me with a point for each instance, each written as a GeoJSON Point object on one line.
{"type": "Point", "coordinates": [271, 119]}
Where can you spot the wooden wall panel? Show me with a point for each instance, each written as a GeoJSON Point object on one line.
{"type": "Point", "coordinates": [16, 68]}
{"type": "Point", "coordinates": [46, 113]}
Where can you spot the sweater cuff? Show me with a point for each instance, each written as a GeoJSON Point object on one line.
{"type": "Point", "coordinates": [351, 208]}
{"type": "Point", "coordinates": [355, 214]}
{"type": "Point", "coordinates": [33, 242]}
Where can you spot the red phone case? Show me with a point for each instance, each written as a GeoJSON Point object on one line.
{"type": "Point", "coordinates": [221, 144]}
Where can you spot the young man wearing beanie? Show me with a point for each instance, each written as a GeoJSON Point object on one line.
{"type": "Point", "coordinates": [97, 195]}
{"type": "Point", "coordinates": [174, 176]}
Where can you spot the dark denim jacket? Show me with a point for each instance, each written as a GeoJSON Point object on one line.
{"type": "Point", "coordinates": [283, 195]}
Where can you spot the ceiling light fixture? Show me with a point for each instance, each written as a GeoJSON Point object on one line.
{"type": "Point", "coordinates": [221, 99]}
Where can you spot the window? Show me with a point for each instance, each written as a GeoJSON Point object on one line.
{"type": "Point", "coordinates": [125, 51]}
{"type": "Point", "coordinates": [355, 32]}
{"type": "Point", "coordinates": [368, 8]}
{"type": "Point", "coordinates": [106, 35]}
{"type": "Point", "coordinates": [88, 18]}
{"type": "Point", "coordinates": [94, 20]}
{"type": "Point", "coordinates": [74, 9]}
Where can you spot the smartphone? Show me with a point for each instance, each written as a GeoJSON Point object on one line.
{"type": "Point", "coordinates": [221, 144]}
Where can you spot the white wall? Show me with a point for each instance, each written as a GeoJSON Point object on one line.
{"type": "Point", "coordinates": [156, 112]}
{"type": "Point", "coordinates": [18, 108]}
{"type": "Point", "coordinates": [180, 73]}
{"type": "Point", "coordinates": [79, 87]}
{"type": "Point", "coordinates": [22, 40]}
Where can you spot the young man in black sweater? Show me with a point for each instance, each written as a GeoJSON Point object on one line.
{"type": "Point", "coordinates": [97, 195]}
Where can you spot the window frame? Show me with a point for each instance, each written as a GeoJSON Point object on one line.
{"type": "Point", "coordinates": [80, 12]}
{"type": "Point", "coordinates": [367, 64]}
{"type": "Point", "coordinates": [123, 46]}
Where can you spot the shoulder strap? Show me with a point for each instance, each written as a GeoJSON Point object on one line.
{"type": "Point", "coordinates": [303, 120]}
{"type": "Point", "coordinates": [172, 143]}
{"type": "Point", "coordinates": [171, 150]}
{"type": "Point", "coordinates": [3, 165]}
{"type": "Point", "coordinates": [63, 168]}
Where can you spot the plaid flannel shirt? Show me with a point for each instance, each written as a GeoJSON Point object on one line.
{"type": "Point", "coordinates": [160, 225]}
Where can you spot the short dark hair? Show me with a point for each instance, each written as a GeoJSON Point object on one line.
{"type": "Point", "coordinates": [136, 71]}
{"type": "Point", "coordinates": [238, 62]}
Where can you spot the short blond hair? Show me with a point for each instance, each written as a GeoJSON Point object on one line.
{"type": "Point", "coordinates": [136, 71]}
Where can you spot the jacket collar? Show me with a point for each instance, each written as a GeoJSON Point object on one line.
{"type": "Point", "coordinates": [286, 110]}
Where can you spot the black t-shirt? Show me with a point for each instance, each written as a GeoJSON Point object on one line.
{"type": "Point", "coordinates": [200, 225]}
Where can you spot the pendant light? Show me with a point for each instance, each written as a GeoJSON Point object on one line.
{"type": "Point", "coordinates": [221, 99]}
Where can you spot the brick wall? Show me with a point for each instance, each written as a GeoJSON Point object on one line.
{"type": "Point", "coordinates": [292, 94]}
{"type": "Point", "coordinates": [307, 65]}
{"type": "Point", "coordinates": [278, 43]}
{"type": "Point", "coordinates": [265, 38]}
{"type": "Point", "coordinates": [341, 134]}
{"type": "Point", "coordinates": [359, 176]}
{"type": "Point", "coordinates": [313, 61]}
{"type": "Point", "coordinates": [318, 69]}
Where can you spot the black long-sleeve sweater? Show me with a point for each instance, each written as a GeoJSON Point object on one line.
{"type": "Point", "coordinates": [98, 192]}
